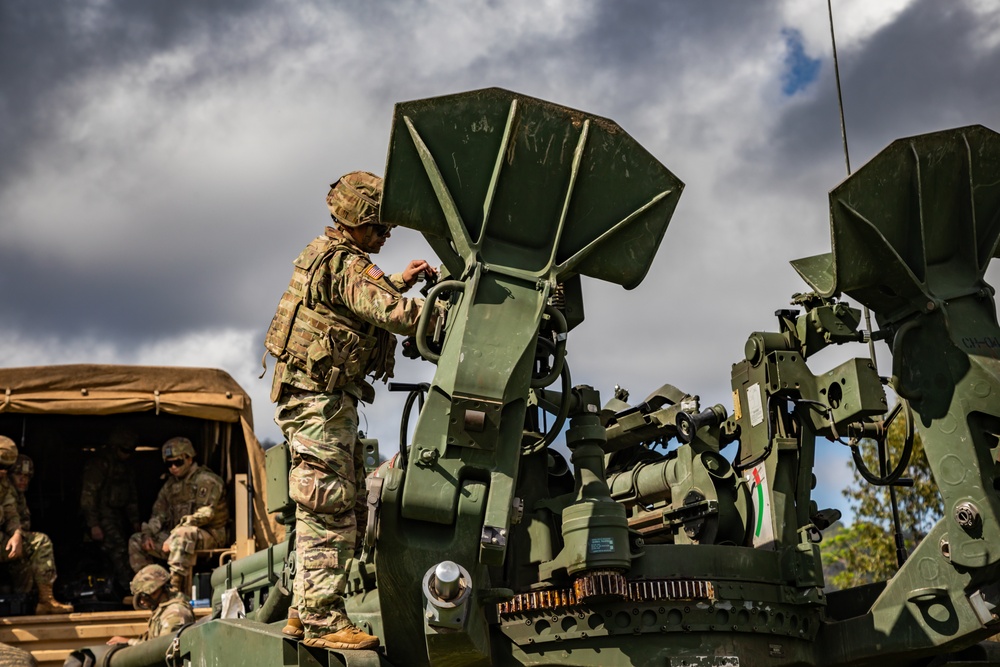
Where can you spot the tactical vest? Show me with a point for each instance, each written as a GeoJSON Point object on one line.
{"type": "Point", "coordinates": [329, 344]}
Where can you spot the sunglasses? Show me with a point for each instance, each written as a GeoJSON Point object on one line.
{"type": "Point", "coordinates": [6, 468]}
{"type": "Point", "coordinates": [380, 229]}
{"type": "Point", "coordinates": [174, 463]}
{"type": "Point", "coordinates": [143, 601]}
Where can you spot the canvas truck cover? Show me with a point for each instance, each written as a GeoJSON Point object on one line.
{"type": "Point", "coordinates": [101, 389]}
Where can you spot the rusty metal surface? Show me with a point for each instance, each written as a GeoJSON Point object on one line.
{"type": "Point", "coordinates": [632, 591]}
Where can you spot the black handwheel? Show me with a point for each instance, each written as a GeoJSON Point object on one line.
{"type": "Point", "coordinates": [902, 406]}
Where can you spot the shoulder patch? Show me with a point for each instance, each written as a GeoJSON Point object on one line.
{"type": "Point", "coordinates": [374, 272]}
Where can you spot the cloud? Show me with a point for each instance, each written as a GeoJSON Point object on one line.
{"type": "Point", "coordinates": [165, 162]}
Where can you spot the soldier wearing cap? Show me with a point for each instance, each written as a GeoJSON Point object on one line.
{"type": "Point", "coordinates": [109, 501]}
{"type": "Point", "coordinates": [190, 513]}
{"type": "Point", "coordinates": [151, 589]}
{"type": "Point", "coordinates": [28, 554]}
{"type": "Point", "coordinates": [333, 328]}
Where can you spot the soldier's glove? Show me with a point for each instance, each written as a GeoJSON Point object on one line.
{"type": "Point", "coordinates": [187, 521]}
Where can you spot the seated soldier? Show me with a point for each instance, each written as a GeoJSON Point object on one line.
{"type": "Point", "coordinates": [190, 513]}
{"type": "Point", "coordinates": [28, 554]}
{"type": "Point", "coordinates": [151, 589]}
{"type": "Point", "coordinates": [109, 501]}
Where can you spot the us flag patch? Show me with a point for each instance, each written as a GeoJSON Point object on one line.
{"type": "Point", "coordinates": [374, 272]}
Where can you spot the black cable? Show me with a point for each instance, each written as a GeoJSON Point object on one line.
{"type": "Point", "coordinates": [416, 394]}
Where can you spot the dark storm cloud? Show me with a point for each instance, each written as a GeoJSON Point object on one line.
{"type": "Point", "coordinates": [923, 72]}
{"type": "Point", "coordinates": [45, 47]}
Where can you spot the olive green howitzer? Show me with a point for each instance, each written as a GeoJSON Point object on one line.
{"type": "Point", "coordinates": [671, 534]}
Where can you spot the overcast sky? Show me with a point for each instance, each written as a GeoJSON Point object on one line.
{"type": "Point", "coordinates": [164, 162]}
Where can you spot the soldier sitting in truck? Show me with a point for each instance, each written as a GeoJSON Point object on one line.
{"type": "Point", "coordinates": [151, 590]}
{"type": "Point", "coordinates": [190, 513]}
{"type": "Point", "coordinates": [109, 502]}
{"type": "Point", "coordinates": [28, 554]}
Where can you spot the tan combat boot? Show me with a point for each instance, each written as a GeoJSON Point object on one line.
{"type": "Point", "coordinates": [48, 604]}
{"type": "Point", "coordinates": [348, 638]}
{"type": "Point", "coordinates": [293, 626]}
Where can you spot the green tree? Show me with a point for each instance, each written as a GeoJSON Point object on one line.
{"type": "Point", "coordinates": [865, 552]}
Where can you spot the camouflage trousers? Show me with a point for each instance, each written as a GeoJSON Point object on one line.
{"type": "Point", "coordinates": [37, 565]}
{"type": "Point", "coordinates": [115, 546]}
{"type": "Point", "coordinates": [184, 541]}
{"type": "Point", "coordinates": [327, 483]}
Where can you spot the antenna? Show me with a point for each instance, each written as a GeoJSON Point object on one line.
{"type": "Point", "coordinates": [893, 502]}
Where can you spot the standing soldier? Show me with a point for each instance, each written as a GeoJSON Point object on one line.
{"type": "Point", "coordinates": [109, 502]}
{"type": "Point", "coordinates": [190, 513]}
{"type": "Point", "coordinates": [28, 554]}
{"type": "Point", "coordinates": [334, 326]}
{"type": "Point", "coordinates": [151, 589]}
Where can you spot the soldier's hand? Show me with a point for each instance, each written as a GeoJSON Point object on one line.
{"type": "Point", "coordinates": [166, 546]}
{"type": "Point", "coordinates": [117, 640]}
{"type": "Point", "coordinates": [15, 546]}
{"type": "Point", "coordinates": [96, 533]}
{"type": "Point", "coordinates": [415, 268]}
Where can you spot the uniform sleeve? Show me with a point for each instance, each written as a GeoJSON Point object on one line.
{"type": "Point", "coordinates": [8, 503]}
{"type": "Point", "coordinates": [23, 512]}
{"type": "Point", "coordinates": [175, 617]}
{"type": "Point", "coordinates": [207, 496]}
{"type": "Point", "coordinates": [160, 517]}
{"type": "Point", "coordinates": [397, 281]}
{"type": "Point", "coordinates": [373, 300]}
{"type": "Point", "coordinates": [92, 477]}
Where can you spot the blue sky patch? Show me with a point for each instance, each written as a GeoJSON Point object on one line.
{"type": "Point", "coordinates": [799, 69]}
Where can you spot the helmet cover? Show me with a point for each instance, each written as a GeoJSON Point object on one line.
{"type": "Point", "coordinates": [8, 451]}
{"type": "Point", "coordinates": [355, 198]}
{"type": "Point", "coordinates": [177, 447]}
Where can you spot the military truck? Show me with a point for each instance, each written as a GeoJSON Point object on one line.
{"type": "Point", "coordinates": [60, 416]}
{"type": "Point", "coordinates": [673, 534]}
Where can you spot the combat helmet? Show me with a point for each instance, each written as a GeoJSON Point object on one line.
{"type": "Point", "coordinates": [145, 583]}
{"type": "Point", "coordinates": [175, 447]}
{"type": "Point", "coordinates": [123, 439]}
{"type": "Point", "coordinates": [23, 466]}
{"type": "Point", "coordinates": [8, 451]}
{"type": "Point", "coordinates": [355, 198]}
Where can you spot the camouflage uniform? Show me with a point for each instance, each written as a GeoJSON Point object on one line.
{"type": "Point", "coordinates": [192, 513]}
{"type": "Point", "coordinates": [37, 565]}
{"type": "Point", "coordinates": [109, 501]}
{"type": "Point", "coordinates": [171, 614]}
{"type": "Point", "coordinates": [35, 568]}
{"type": "Point", "coordinates": [337, 291]}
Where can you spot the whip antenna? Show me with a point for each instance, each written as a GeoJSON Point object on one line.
{"type": "Point", "coordinates": [840, 95]}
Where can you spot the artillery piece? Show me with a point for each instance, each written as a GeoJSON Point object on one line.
{"type": "Point", "coordinates": [485, 546]}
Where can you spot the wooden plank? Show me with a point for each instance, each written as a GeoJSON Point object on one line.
{"type": "Point", "coordinates": [244, 531]}
{"type": "Point", "coordinates": [75, 617]}
{"type": "Point", "coordinates": [54, 657]}
{"type": "Point", "coordinates": [71, 631]}
{"type": "Point", "coordinates": [50, 639]}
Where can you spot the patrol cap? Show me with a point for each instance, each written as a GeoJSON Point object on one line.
{"type": "Point", "coordinates": [176, 447]}
{"type": "Point", "coordinates": [149, 579]}
{"type": "Point", "coordinates": [8, 451]}
{"type": "Point", "coordinates": [355, 198]}
{"type": "Point", "coordinates": [23, 466]}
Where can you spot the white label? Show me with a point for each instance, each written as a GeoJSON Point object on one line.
{"type": "Point", "coordinates": [602, 545]}
{"type": "Point", "coordinates": [760, 498]}
{"type": "Point", "coordinates": [755, 406]}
